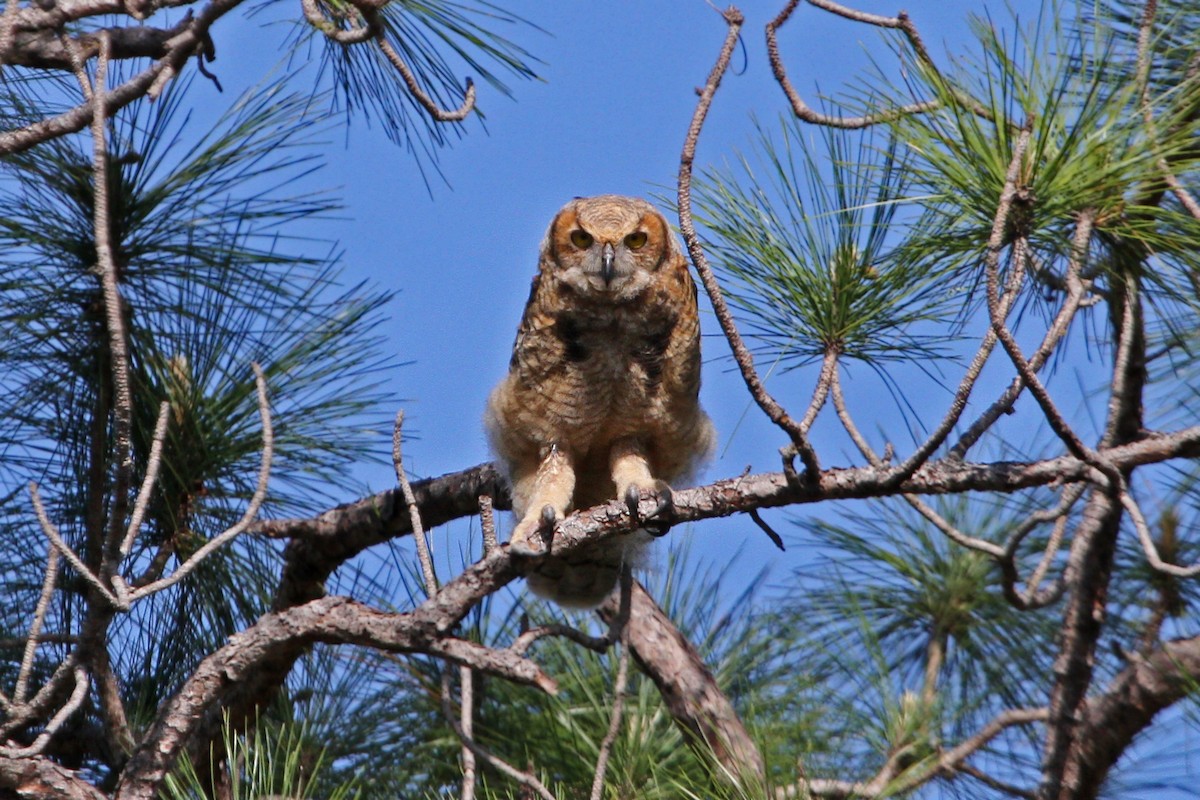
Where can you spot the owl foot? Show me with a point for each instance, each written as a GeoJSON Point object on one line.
{"type": "Point", "coordinates": [657, 522]}
{"type": "Point", "coordinates": [533, 534]}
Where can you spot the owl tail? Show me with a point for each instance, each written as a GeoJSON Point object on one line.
{"type": "Point", "coordinates": [587, 576]}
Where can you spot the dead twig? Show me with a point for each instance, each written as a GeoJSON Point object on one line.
{"type": "Point", "coordinates": [1147, 539]}
{"type": "Point", "coordinates": [435, 111]}
{"type": "Point", "coordinates": [992, 265]}
{"type": "Point", "coordinates": [414, 513]}
{"type": "Point", "coordinates": [153, 464]}
{"type": "Point", "coordinates": [799, 441]}
{"type": "Point", "coordinates": [802, 109]}
{"type": "Point", "coordinates": [487, 524]}
{"type": "Point", "coordinates": [1077, 288]}
{"type": "Point", "coordinates": [618, 705]}
{"type": "Point", "coordinates": [240, 527]}
{"type": "Point", "coordinates": [355, 34]}
{"type": "Point", "coordinates": [21, 691]}
{"type": "Point", "coordinates": [70, 707]}
{"type": "Point", "coordinates": [527, 779]}
{"type": "Point", "coordinates": [466, 694]}
{"type": "Point", "coordinates": [76, 563]}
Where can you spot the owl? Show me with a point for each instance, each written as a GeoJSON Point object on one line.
{"type": "Point", "coordinates": [601, 399]}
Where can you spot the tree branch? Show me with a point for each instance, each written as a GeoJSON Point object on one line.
{"type": "Point", "coordinates": [337, 620]}
{"type": "Point", "coordinates": [799, 441]}
{"type": "Point", "coordinates": [1111, 720]}
{"type": "Point", "coordinates": [688, 688]}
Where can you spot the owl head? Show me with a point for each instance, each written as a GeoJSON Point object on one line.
{"type": "Point", "coordinates": [608, 247]}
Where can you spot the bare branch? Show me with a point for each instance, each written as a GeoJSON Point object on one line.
{"type": "Point", "coordinates": [153, 464]}
{"type": "Point", "coordinates": [1144, 64]}
{"type": "Point", "coordinates": [343, 36]}
{"type": "Point", "coordinates": [6, 24]}
{"type": "Point", "coordinates": [799, 441]}
{"type": "Point", "coordinates": [618, 705]}
{"type": "Point", "coordinates": [43, 704]}
{"type": "Point", "coordinates": [924, 509]}
{"type": "Point", "coordinates": [1076, 288]}
{"type": "Point", "coordinates": [942, 524]}
{"type": "Point", "coordinates": [487, 523]}
{"type": "Point", "coordinates": [688, 688]}
{"type": "Point", "coordinates": [995, 243]}
{"type": "Point", "coordinates": [52, 534]}
{"type": "Point", "coordinates": [435, 111]}
{"type": "Point", "coordinates": [889, 782]}
{"type": "Point", "coordinates": [1005, 719]}
{"type": "Point", "coordinates": [829, 365]}
{"type": "Point", "coordinates": [466, 694]}
{"type": "Point", "coordinates": [112, 705]}
{"type": "Point", "coordinates": [526, 779]}
{"type": "Point", "coordinates": [114, 316]}
{"type": "Point", "coordinates": [340, 533]}
{"type": "Point", "coordinates": [1031, 597]}
{"type": "Point", "coordinates": [334, 620]}
{"type": "Point", "coordinates": [843, 414]}
{"type": "Point", "coordinates": [802, 109]}
{"type": "Point", "coordinates": [598, 644]}
{"type": "Point", "coordinates": [47, 48]}
{"type": "Point", "coordinates": [1147, 539]}
{"type": "Point", "coordinates": [414, 513]}
{"type": "Point", "coordinates": [39, 777]}
{"type": "Point", "coordinates": [153, 79]}
{"type": "Point", "coordinates": [256, 501]}
{"type": "Point", "coordinates": [21, 693]}
{"type": "Point", "coordinates": [70, 707]}
{"type": "Point", "coordinates": [1111, 720]}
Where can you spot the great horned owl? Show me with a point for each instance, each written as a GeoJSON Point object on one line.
{"type": "Point", "coordinates": [601, 397]}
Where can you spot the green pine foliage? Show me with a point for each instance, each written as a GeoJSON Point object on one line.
{"type": "Point", "coordinates": [215, 275]}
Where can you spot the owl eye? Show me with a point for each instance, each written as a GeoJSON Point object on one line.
{"type": "Point", "coordinates": [636, 240]}
{"type": "Point", "coordinates": [581, 239]}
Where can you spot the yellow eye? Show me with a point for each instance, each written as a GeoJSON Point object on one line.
{"type": "Point", "coordinates": [581, 239]}
{"type": "Point", "coordinates": [636, 240]}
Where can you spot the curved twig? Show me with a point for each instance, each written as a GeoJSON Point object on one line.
{"type": "Point", "coordinates": [70, 707]}
{"type": "Point", "coordinates": [991, 262]}
{"type": "Point", "coordinates": [153, 464]}
{"type": "Point", "coordinates": [802, 110]}
{"type": "Point", "coordinates": [1076, 288]}
{"type": "Point", "coordinates": [20, 692]}
{"type": "Point", "coordinates": [1147, 539]}
{"type": "Point", "coordinates": [799, 441]}
{"type": "Point", "coordinates": [51, 531]}
{"type": "Point", "coordinates": [435, 111]}
{"type": "Point", "coordinates": [343, 36]}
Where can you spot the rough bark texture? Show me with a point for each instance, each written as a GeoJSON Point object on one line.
{"type": "Point", "coordinates": [40, 778]}
{"type": "Point", "coordinates": [1127, 707]}
{"type": "Point", "coordinates": [331, 619]}
{"type": "Point", "coordinates": [688, 688]}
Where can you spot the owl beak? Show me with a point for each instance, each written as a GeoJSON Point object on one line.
{"type": "Point", "coordinates": [607, 256]}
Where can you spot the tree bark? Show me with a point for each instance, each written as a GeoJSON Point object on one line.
{"type": "Point", "coordinates": [698, 705]}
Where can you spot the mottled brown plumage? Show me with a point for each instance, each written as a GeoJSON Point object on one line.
{"type": "Point", "coordinates": [601, 397]}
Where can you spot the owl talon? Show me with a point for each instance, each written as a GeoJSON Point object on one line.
{"type": "Point", "coordinates": [523, 542]}
{"type": "Point", "coordinates": [658, 521]}
{"type": "Point", "coordinates": [633, 496]}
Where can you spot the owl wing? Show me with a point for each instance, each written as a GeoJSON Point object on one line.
{"type": "Point", "coordinates": [539, 348]}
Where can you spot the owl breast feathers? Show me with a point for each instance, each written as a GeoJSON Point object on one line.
{"type": "Point", "coordinates": [601, 400]}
